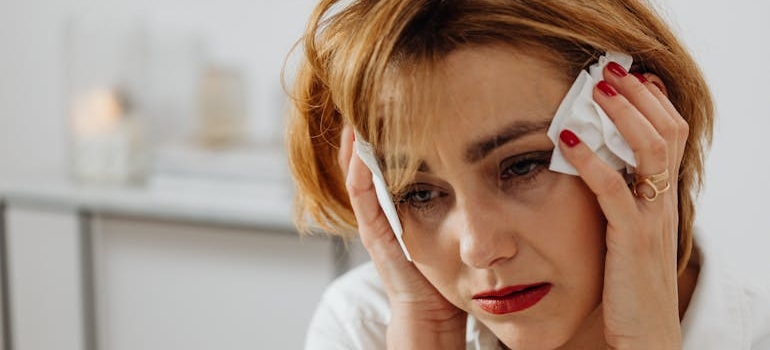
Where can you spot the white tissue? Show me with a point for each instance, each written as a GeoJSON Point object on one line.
{"type": "Point", "coordinates": [366, 153]}
{"type": "Point", "coordinates": [579, 113]}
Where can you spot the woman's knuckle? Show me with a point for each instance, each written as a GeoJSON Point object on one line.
{"type": "Point", "coordinates": [683, 128]}
{"type": "Point", "coordinates": [669, 130]}
{"type": "Point", "coordinates": [354, 189]}
{"type": "Point", "coordinates": [638, 88]}
{"type": "Point", "coordinates": [658, 147]}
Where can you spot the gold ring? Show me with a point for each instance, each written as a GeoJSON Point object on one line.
{"type": "Point", "coordinates": [658, 183]}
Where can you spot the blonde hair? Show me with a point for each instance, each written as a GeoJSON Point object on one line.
{"type": "Point", "coordinates": [357, 55]}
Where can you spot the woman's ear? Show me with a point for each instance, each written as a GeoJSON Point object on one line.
{"type": "Point", "coordinates": [655, 79]}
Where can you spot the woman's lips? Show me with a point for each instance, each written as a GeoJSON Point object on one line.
{"type": "Point", "coordinates": [512, 299]}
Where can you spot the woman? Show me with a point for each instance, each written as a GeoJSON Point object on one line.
{"type": "Point", "coordinates": [456, 99]}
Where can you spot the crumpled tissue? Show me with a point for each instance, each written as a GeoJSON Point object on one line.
{"type": "Point", "coordinates": [579, 113]}
{"type": "Point", "coordinates": [365, 151]}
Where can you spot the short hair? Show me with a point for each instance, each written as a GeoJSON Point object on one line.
{"type": "Point", "coordinates": [356, 54]}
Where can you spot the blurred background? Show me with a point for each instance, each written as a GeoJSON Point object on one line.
{"type": "Point", "coordinates": [143, 181]}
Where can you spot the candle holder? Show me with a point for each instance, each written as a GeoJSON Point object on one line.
{"type": "Point", "coordinates": [222, 102]}
{"type": "Point", "coordinates": [105, 66]}
{"type": "Point", "coordinates": [107, 138]}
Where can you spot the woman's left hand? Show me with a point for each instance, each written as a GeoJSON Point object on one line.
{"type": "Point", "coordinates": [640, 298]}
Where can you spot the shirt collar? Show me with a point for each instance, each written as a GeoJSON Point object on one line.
{"type": "Point", "coordinates": [718, 314]}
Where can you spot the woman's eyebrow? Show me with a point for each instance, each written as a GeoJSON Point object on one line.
{"type": "Point", "coordinates": [478, 150]}
{"type": "Point", "coordinates": [401, 164]}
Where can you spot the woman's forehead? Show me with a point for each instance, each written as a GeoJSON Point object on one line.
{"type": "Point", "coordinates": [479, 88]}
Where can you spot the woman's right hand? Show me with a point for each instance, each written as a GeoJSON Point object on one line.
{"type": "Point", "coordinates": [420, 317]}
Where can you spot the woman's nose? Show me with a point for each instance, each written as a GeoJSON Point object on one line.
{"type": "Point", "coordinates": [486, 236]}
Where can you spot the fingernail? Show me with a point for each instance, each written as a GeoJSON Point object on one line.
{"type": "Point", "coordinates": [606, 88]}
{"type": "Point", "coordinates": [640, 77]}
{"type": "Point", "coordinates": [569, 138]}
{"type": "Point", "coordinates": [617, 69]}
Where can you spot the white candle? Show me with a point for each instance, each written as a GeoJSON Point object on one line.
{"type": "Point", "coordinates": [105, 143]}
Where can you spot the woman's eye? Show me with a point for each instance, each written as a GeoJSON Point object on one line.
{"type": "Point", "coordinates": [524, 166]}
{"type": "Point", "coordinates": [423, 196]}
{"type": "Point", "coordinates": [520, 168]}
{"type": "Point", "coordinates": [420, 197]}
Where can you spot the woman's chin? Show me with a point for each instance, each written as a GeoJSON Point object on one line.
{"type": "Point", "coordinates": [533, 342]}
{"type": "Point", "coordinates": [534, 338]}
{"type": "Point", "coordinates": [581, 331]}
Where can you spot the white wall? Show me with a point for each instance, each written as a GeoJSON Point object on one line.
{"type": "Point", "coordinates": [253, 35]}
{"type": "Point", "coordinates": [729, 39]}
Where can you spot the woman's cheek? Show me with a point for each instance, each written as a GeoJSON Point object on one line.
{"type": "Point", "coordinates": [535, 193]}
{"type": "Point", "coordinates": [422, 235]}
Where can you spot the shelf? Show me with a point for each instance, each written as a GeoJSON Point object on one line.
{"type": "Point", "coordinates": [264, 204]}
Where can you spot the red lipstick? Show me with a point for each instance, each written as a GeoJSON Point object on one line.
{"type": "Point", "coordinates": [512, 298]}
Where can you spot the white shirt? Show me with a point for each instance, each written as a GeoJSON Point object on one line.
{"type": "Point", "coordinates": [725, 312]}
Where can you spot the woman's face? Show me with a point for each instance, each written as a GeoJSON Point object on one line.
{"type": "Point", "coordinates": [515, 245]}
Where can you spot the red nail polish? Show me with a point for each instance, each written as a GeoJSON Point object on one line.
{"type": "Point", "coordinates": [569, 138]}
{"type": "Point", "coordinates": [606, 88]}
{"type": "Point", "coordinates": [640, 77]}
{"type": "Point", "coordinates": [617, 69]}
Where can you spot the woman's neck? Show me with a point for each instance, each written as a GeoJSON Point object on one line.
{"type": "Point", "coordinates": [687, 282]}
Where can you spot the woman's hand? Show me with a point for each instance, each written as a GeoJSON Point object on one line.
{"type": "Point", "coordinates": [420, 317]}
{"type": "Point", "coordinates": [640, 298]}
